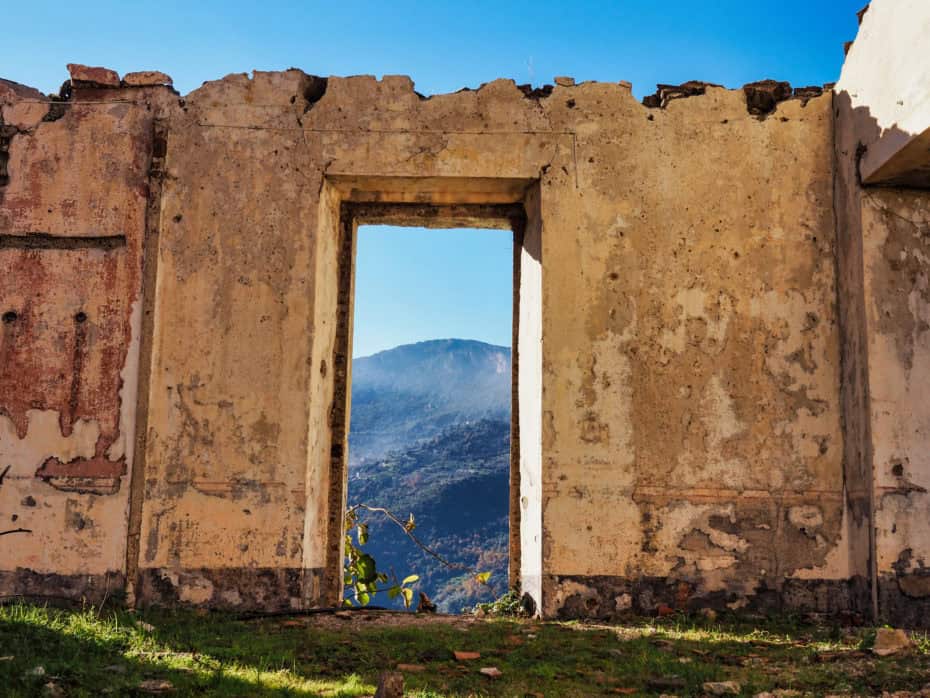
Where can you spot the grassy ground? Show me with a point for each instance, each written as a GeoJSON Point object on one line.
{"type": "Point", "coordinates": [83, 653]}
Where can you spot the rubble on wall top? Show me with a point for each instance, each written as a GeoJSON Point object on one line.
{"type": "Point", "coordinates": [98, 76]}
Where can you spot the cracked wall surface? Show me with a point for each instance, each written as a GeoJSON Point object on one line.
{"type": "Point", "coordinates": [73, 196]}
{"type": "Point", "coordinates": [721, 336]}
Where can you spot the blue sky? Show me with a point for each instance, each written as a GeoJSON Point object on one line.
{"type": "Point", "coordinates": [411, 284]}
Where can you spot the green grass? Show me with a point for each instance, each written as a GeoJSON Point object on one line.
{"type": "Point", "coordinates": [87, 653]}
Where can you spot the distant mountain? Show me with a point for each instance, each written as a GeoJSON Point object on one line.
{"type": "Point", "coordinates": [430, 435]}
{"type": "Point", "coordinates": [457, 487]}
{"type": "Point", "coordinates": [413, 392]}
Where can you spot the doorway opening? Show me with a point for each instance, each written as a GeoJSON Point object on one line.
{"type": "Point", "coordinates": [437, 427]}
{"type": "Point", "coordinates": [430, 417]}
{"type": "Point", "coordinates": [429, 394]}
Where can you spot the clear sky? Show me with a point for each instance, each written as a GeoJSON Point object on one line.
{"type": "Point", "coordinates": [412, 284]}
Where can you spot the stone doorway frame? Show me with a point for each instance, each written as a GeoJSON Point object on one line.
{"type": "Point", "coordinates": [505, 204]}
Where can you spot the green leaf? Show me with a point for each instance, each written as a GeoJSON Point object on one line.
{"type": "Point", "coordinates": [362, 533]}
{"type": "Point", "coordinates": [347, 602]}
{"type": "Point", "coordinates": [482, 577]}
{"type": "Point", "coordinates": [382, 577]}
{"type": "Point", "coordinates": [393, 592]}
{"type": "Point", "coordinates": [408, 596]}
{"type": "Point", "coordinates": [363, 599]}
{"type": "Point", "coordinates": [366, 569]}
{"type": "Point", "coordinates": [411, 579]}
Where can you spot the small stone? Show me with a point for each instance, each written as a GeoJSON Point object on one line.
{"type": "Point", "coordinates": [37, 671]}
{"type": "Point", "coordinates": [891, 641]}
{"type": "Point", "coordinates": [101, 77]}
{"type": "Point", "coordinates": [625, 83]}
{"type": "Point", "coordinates": [7, 658]}
{"type": "Point", "coordinates": [722, 688]}
{"type": "Point", "coordinates": [156, 686]}
{"type": "Point", "coordinates": [147, 627]}
{"type": "Point", "coordinates": [53, 690]}
{"type": "Point", "coordinates": [564, 81]}
{"type": "Point", "coordinates": [344, 615]}
{"type": "Point", "coordinates": [411, 668]}
{"type": "Point", "coordinates": [664, 610]}
{"type": "Point", "coordinates": [466, 656]}
{"type": "Point", "coordinates": [491, 672]}
{"type": "Point", "coordinates": [145, 78]}
{"type": "Point", "coordinates": [390, 685]}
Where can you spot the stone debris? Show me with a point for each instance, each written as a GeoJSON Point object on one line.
{"type": "Point", "coordinates": [390, 685]}
{"type": "Point", "coordinates": [411, 668]}
{"type": "Point", "coordinates": [156, 686]}
{"type": "Point", "coordinates": [145, 78]}
{"type": "Point", "coordinates": [466, 656]}
{"type": "Point", "coordinates": [722, 688]}
{"type": "Point", "coordinates": [762, 97]}
{"type": "Point", "coordinates": [563, 81]}
{"type": "Point", "coordinates": [491, 672]}
{"type": "Point", "coordinates": [891, 641]}
{"type": "Point", "coordinates": [95, 76]}
{"type": "Point", "coordinates": [53, 690]}
{"type": "Point", "coordinates": [666, 93]}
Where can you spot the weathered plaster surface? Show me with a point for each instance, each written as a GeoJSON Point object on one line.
{"type": "Point", "coordinates": [689, 344]}
{"type": "Point", "coordinates": [72, 202]}
{"type": "Point", "coordinates": [881, 107]}
{"type": "Point", "coordinates": [895, 228]}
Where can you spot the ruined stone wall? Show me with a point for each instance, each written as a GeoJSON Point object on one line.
{"type": "Point", "coordinates": [74, 186]}
{"type": "Point", "coordinates": [692, 441]}
{"type": "Point", "coordinates": [682, 427]}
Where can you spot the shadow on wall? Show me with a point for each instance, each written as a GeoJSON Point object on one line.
{"type": "Point", "coordinates": [875, 288]}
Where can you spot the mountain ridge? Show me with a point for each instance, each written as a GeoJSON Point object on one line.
{"type": "Point", "coordinates": [414, 391]}
{"type": "Point", "coordinates": [430, 436]}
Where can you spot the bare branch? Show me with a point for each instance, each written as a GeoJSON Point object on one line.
{"type": "Point", "coordinates": [420, 544]}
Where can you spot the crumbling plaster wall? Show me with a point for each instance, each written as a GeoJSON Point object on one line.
{"type": "Point", "coordinates": [691, 448]}
{"type": "Point", "coordinates": [881, 114]}
{"type": "Point", "coordinates": [691, 372]}
{"type": "Point", "coordinates": [74, 182]}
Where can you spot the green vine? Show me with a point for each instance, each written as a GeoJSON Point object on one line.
{"type": "Point", "coordinates": [362, 578]}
